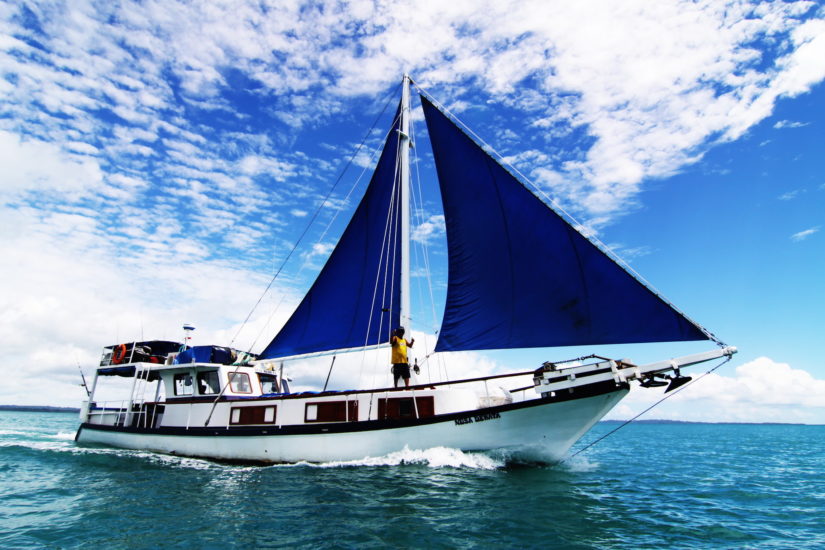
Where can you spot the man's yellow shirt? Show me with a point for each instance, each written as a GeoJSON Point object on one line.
{"type": "Point", "coordinates": [399, 350]}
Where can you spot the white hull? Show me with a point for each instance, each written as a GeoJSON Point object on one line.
{"type": "Point", "coordinates": [546, 430]}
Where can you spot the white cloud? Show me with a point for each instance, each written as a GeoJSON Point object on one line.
{"type": "Point", "coordinates": [650, 98]}
{"type": "Point", "coordinates": [629, 254]}
{"type": "Point", "coordinates": [805, 64]}
{"type": "Point", "coordinates": [802, 235]}
{"type": "Point", "coordinates": [256, 164]}
{"type": "Point", "coordinates": [75, 291]}
{"type": "Point", "coordinates": [790, 124]}
{"type": "Point", "coordinates": [762, 390]}
{"type": "Point", "coordinates": [433, 227]}
{"type": "Point", "coordinates": [322, 249]}
{"type": "Point", "coordinates": [41, 167]}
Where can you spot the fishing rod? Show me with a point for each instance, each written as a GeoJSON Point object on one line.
{"type": "Point", "coordinates": [83, 377]}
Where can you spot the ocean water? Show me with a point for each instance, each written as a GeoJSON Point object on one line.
{"type": "Point", "coordinates": [647, 486]}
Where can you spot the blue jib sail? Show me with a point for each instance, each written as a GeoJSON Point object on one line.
{"type": "Point", "coordinates": [354, 302]}
{"type": "Point", "coordinates": [519, 275]}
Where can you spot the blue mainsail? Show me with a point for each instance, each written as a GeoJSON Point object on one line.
{"type": "Point", "coordinates": [520, 276]}
{"type": "Point", "coordinates": [354, 302]}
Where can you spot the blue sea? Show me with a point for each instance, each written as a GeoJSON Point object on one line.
{"type": "Point", "coordinates": [649, 485]}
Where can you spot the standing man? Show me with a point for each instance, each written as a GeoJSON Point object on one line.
{"type": "Point", "coordinates": [400, 364]}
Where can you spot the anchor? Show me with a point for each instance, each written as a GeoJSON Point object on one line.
{"type": "Point", "coordinates": [654, 381]}
{"type": "Point", "coordinates": [677, 381]}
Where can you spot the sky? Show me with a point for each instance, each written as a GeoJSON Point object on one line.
{"type": "Point", "coordinates": [160, 159]}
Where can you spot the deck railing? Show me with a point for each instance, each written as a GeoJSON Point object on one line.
{"type": "Point", "coordinates": [142, 415]}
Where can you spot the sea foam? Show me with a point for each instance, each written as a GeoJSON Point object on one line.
{"type": "Point", "coordinates": [435, 457]}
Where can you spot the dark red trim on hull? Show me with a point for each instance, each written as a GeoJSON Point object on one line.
{"type": "Point", "coordinates": [581, 392]}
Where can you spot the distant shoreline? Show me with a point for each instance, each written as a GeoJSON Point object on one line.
{"type": "Point", "coordinates": [36, 408]}
{"type": "Point", "coordinates": [665, 421]}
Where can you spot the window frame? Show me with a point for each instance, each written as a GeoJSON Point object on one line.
{"type": "Point", "coordinates": [325, 411]}
{"type": "Point", "coordinates": [265, 378]}
{"type": "Point", "coordinates": [256, 412]}
{"type": "Point", "coordinates": [232, 382]}
{"type": "Point", "coordinates": [183, 375]}
{"type": "Point", "coordinates": [390, 408]}
{"type": "Point", "coordinates": [203, 374]}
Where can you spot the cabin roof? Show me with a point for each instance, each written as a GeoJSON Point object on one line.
{"type": "Point", "coordinates": [162, 346]}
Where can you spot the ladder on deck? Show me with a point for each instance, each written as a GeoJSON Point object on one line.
{"type": "Point", "coordinates": [137, 399]}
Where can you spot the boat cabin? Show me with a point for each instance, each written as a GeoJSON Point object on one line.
{"type": "Point", "coordinates": [209, 386]}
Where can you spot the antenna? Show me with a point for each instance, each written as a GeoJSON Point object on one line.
{"type": "Point", "coordinates": [187, 335]}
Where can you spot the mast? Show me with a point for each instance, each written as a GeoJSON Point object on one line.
{"type": "Point", "coordinates": [404, 306]}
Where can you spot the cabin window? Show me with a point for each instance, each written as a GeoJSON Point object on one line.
{"type": "Point", "coordinates": [331, 411]}
{"type": "Point", "coordinates": [183, 384]}
{"type": "Point", "coordinates": [239, 382]}
{"type": "Point", "coordinates": [403, 407]}
{"type": "Point", "coordinates": [253, 415]}
{"type": "Point", "coordinates": [208, 382]}
{"type": "Point", "coordinates": [269, 383]}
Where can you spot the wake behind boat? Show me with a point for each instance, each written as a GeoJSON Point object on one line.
{"type": "Point", "coordinates": [520, 276]}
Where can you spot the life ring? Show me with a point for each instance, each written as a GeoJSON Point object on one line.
{"type": "Point", "coordinates": [119, 354]}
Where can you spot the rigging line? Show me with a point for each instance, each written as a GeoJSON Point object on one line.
{"type": "Point", "coordinates": [329, 373]}
{"type": "Point", "coordinates": [385, 263]}
{"type": "Point", "coordinates": [229, 379]}
{"type": "Point", "coordinates": [384, 245]}
{"type": "Point", "coordinates": [317, 211]}
{"type": "Point", "coordinates": [389, 272]}
{"type": "Point", "coordinates": [423, 243]}
{"type": "Point", "coordinates": [569, 218]}
{"type": "Point", "coordinates": [667, 396]}
{"type": "Point", "coordinates": [417, 206]}
{"type": "Point", "coordinates": [388, 244]}
{"type": "Point", "coordinates": [441, 360]}
{"type": "Point", "coordinates": [426, 255]}
{"type": "Point", "coordinates": [363, 171]}
{"type": "Point", "coordinates": [323, 234]}
{"type": "Point", "coordinates": [394, 244]}
{"type": "Point", "coordinates": [422, 249]}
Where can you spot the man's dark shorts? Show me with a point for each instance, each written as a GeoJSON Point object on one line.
{"type": "Point", "coordinates": [400, 370]}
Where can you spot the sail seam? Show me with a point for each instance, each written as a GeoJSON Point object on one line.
{"type": "Point", "coordinates": [585, 287]}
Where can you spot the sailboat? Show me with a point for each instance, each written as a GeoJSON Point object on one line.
{"type": "Point", "coordinates": [520, 276]}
